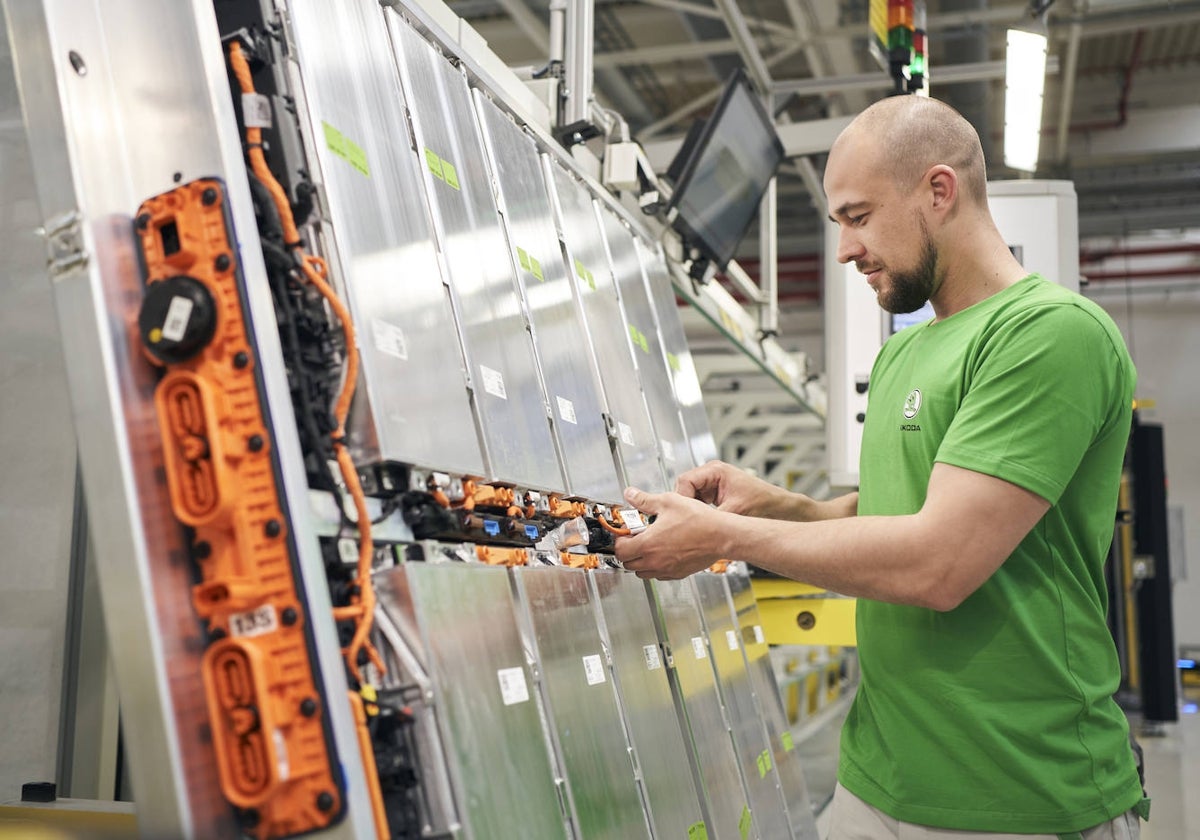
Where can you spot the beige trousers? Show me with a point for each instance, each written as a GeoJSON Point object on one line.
{"type": "Point", "coordinates": [853, 819]}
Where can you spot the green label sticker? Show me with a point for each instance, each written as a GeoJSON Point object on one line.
{"type": "Point", "coordinates": [788, 744]}
{"type": "Point", "coordinates": [357, 157]}
{"type": "Point", "coordinates": [745, 822]}
{"type": "Point", "coordinates": [580, 271]}
{"type": "Point", "coordinates": [345, 148]}
{"type": "Point", "coordinates": [764, 764]}
{"type": "Point", "coordinates": [535, 268]}
{"type": "Point", "coordinates": [698, 831]}
{"type": "Point", "coordinates": [673, 361]}
{"type": "Point", "coordinates": [591, 281]}
{"type": "Point", "coordinates": [523, 258]}
{"type": "Point", "coordinates": [450, 173]}
{"type": "Point", "coordinates": [435, 164]}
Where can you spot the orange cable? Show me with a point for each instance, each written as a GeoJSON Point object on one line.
{"type": "Point", "coordinates": [316, 271]}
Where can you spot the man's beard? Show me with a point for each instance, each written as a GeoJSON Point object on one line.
{"type": "Point", "coordinates": [911, 289]}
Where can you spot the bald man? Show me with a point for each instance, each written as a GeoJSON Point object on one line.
{"type": "Point", "coordinates": [991, 456]}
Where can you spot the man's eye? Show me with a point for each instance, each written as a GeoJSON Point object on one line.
{"type": "Point", "coordinates": [857, 221]}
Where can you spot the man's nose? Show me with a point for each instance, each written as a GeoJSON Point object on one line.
{"type": "Point", "coordinates": [848, 247]}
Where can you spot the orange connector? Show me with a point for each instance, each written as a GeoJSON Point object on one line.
{"type": "Point", "coordinates": [561, 508]}
{"type": "Point", "coordinates": [269, 727]}
{"type": "Point", "coordinates": [580, 561]}
{"type": "Point", "coordinates": [494, 555]}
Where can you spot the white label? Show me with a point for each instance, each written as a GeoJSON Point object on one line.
{"type": "Point", "coordinates": [593, 668]}
{"type": "Point", "coordinates": [626, 433]}
{"type": "Point", "coordinates": [653, 660]}
{"type": "Point", "coordinates": [253, 622]}
{"type": "Point", "coordinates": [566, 410]}
{"type": "Point", "coordinates": [389, 338]}
{"type": "Point", "coordinates": [178, 315]}
{"type": "Point", "coordinates": [698, 646]}
{"type": "Point", "coordinates": [348, 550]}
{"type": "Point", "coordinates": [512, 685]}
{"type": "Point", "coordinates": [668, 450]}
{"type": "Point", "coordinates": [256, 110]}
{"type": "Point", "coordinates": [633, 520]}
{"type": "Point", "coordinates": [281, 755]}
{"type": "Point", "coordinates": [731, 639]}
{"type": "Point", "coordinates": [493, 382]}
{"type": "Point", "coordinates": [758, 634]}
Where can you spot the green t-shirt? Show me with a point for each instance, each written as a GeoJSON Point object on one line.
{"type": "Point", "coordinates": [998, 715]}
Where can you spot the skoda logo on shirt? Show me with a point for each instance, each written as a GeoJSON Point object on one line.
{"type": "Point", "coordinates": [912, 403]}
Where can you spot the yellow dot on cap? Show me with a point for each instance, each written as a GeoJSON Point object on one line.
{"type": "Point", "coordinates": [155, 335]}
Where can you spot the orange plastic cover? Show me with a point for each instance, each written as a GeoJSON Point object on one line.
{"type": "Point", "coordinates": [268, 722]}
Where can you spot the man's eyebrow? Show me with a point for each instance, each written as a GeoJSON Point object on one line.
{"type": "Point", "coordinates": [847, 208]}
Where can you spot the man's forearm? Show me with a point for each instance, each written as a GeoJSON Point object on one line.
{"type": "Point", "coordinates": [799, 508]}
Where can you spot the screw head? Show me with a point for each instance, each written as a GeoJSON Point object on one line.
{"type": "Point", "coordinates": [806, 620]}
{"type": "Point", "coordinates": [324, 801]}
{"type": "Point", "coordinates": [272, 528]}
{"type": "Point", "coordinates": [222, 262]}
{"type": "Point", "coordinates": [143, 221]}
{"type": "Point", "coordinates": [308, 707]}
{"type": "Point", "coordinates": [289, 616]}
{"type": "Point", "coordinates": [255, 443]}
{"type": "Point", "coordinates": [208, 197]}
{"type": "Point", "coordinates": [240, 359]}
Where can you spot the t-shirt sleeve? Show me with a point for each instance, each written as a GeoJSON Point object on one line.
{"type": "Point", "coordinates": [1043, 387]}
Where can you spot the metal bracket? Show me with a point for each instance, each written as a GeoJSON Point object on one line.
{"type": "Point", "coordinates": [64, 243]}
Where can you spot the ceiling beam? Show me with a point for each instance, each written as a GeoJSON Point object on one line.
{"type": "Point", "coordinates": [953, 74]}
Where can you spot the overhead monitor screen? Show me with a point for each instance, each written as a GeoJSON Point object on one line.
{"type": "Point", "coordinates": [726, 167]}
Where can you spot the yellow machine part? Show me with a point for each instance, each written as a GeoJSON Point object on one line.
{"type": "Point", "coordinates": [796, 614]}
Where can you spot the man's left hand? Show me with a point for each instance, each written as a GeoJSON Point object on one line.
{"type": "Point", "coordinates": [685, 537]}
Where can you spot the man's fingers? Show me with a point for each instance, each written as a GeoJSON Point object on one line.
{"type": "Point", "coordinates": [643, 501]}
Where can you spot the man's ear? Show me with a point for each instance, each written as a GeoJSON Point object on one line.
{"type": "Point", "coordinates": [943, 186]}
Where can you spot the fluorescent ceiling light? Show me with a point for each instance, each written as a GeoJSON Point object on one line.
{"type": "Point", "coordinates": [1025, 79]}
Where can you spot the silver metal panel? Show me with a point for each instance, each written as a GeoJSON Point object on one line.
{"type": "Point", "coordinates": [741, 705]}
{"type": "Point", "coordinates": [173, 89]}
{"type": "Point", "coordinates": [680, 365]}
{"type": "Point", "coordinates": [607, 337]}
{"type": "Point", "coordinates": [484, 695]}
{"type": "Point", "coordinates": [643, 334]}
{"type": "Point", "coordinates": [536, 253]}
{"type": "Point", "coordinates": [713, 759]}
{"type": "Point", "coordinates": [508, 392]}
{"type": "Point", "coordinates": [582, 702]}
{"type": "Point", "coordinates": [640, 676]}
{"type": "Point", "coordinates": [411, 360]}
{"type": "Point", "coordinates": [762, 673]}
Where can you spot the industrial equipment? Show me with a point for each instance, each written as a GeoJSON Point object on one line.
{"type": "Point", "coordinates": [361, 360]}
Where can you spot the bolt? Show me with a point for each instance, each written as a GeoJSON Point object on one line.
{"type": "Point", "coordinates": [143, 221]}
{"type": "Point", "coordinates": [201, 550]}
{"type": "Point", "coordinates": [177, 177]}
{"type": "Point", "coordinates": [77, 63]}
{"type": "Point", "coordinates": [308, 707]}
{"type": "Point", "coordinates": [240, 360]}
{"type": "Point", "coordinates": [254, 443]}
{"type": "Point", "coordinates": [208, 197]}
{"type": "Point", "coordinates": [325, 801]}
{"type": "Point", "coordinates": [222, 262]}
{"type": "Point", "coordinates": [861, 417]}
{"type": "Point", "coordinates": [289, 616]}
{"type": "Point", "coordinates": [272, 528]}
{"type": "Point", "coordinates": [806, 620]}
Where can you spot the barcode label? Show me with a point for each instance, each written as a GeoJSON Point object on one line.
{"type": "Point", "coordinates": [566, 410]}
{"type": "Point", "coordinates": [626, 433]}
{"type": "Point", "coordinates": [653, 660]}
{"type": "Point", "coordinates": [256, 110]}
{"type": "Point", "coordinates": [668, 450]}
{"type": "Point", "coordinates": [493, 382]}
{"type": "Point", "coordinates": [253, 622]}
{"type": "Point", "coordinates": [389, 338]}
{"type": "Point", "coordinates": [593, 669]}
{"type": "Point", "coordinates": [178, 315]}
{"type": "Point", "coordinates": [698, 646]}
{"type": "Point", "coordinates": [731, 639]}
{"type": "Point", "coordinates": [513, 688]}
{"type": "Point", "coordinates": [758, 634]}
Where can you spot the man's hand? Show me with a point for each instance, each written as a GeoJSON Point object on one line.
{"type": "Point", "coordinates": [734, 490]}
{"type": "Point", "coordinates": [685, 537]}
